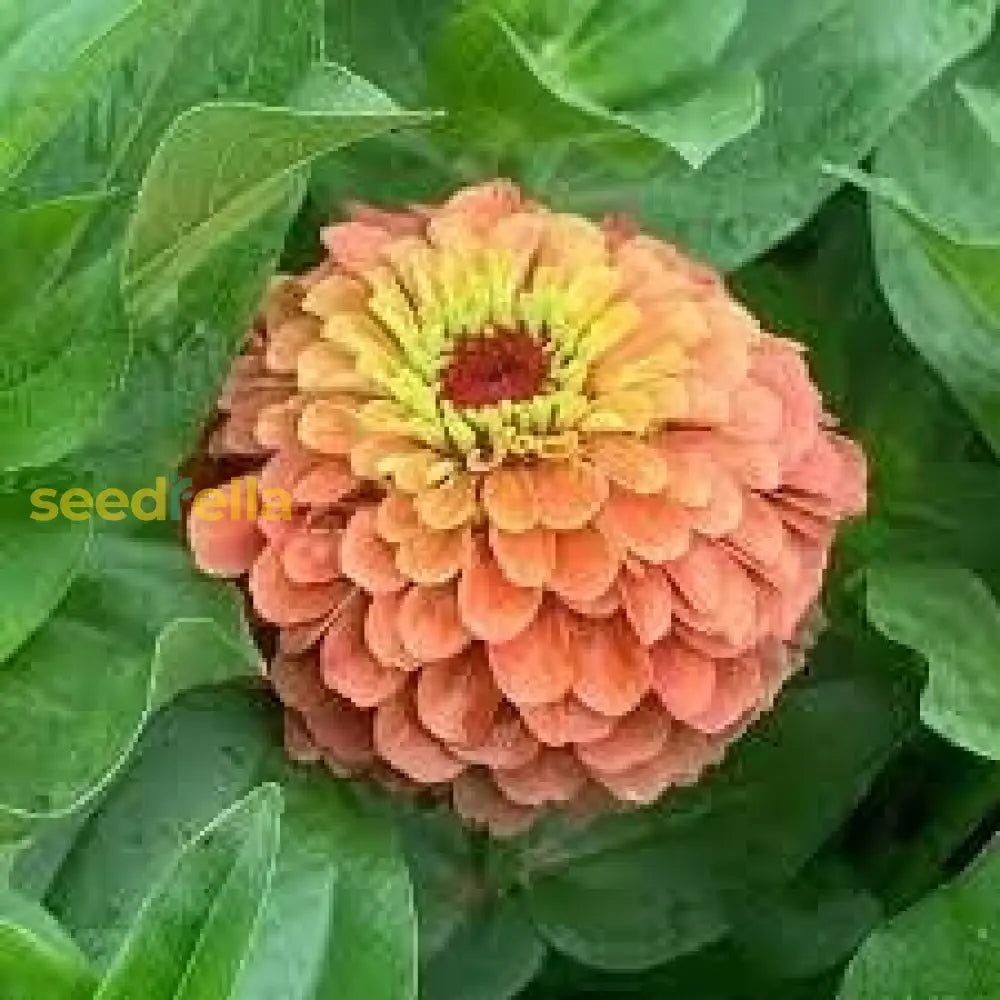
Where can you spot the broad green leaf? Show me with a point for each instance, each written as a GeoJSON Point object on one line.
{"type": "Point", "coordinates": [950, 617]}
{"type": "Point", "coordinates": [945, 947]}
{"type": "Point", "coordinates": [830, 94]}
{"type": "Point", "coordinates": [74, 698]}
{"type": "Point", "coordinates": [223, 168]}
{"type": "Point", "coordinates": [38, 560]}
{"type": "Point", "coordinates": [54, 55]}
{"type": "Point", "coordinates": [340, 921]}
{"type": "Point", "coordinates": [196, 929]}
{"type": "Point", "coordinates": [595, 69]}
{"type": "Point", "coordinates": [37, 957]}
{"type": "Point", "coordinates": [751, 824]}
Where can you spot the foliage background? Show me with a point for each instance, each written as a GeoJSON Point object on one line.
{"type": "Point", "coordinates": [840, 160]}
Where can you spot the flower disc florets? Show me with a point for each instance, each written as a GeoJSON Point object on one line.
{"type": "Point", "coordinates": [559, 506]}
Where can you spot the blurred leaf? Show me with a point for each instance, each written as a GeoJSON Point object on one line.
{"type": "Point", "coordinates": [945, 946]}
{"type": "Point", "coordinates": [37, 958]}
{"type": "Point", "coordinates": [751, 824]}
{"type": "Point", "coordinates": [74, 698]}
{"type": "Point", "coordinates": [549, 73]}
{"type": "Point", "coordinates": [950, 617]}
{"type": "Point", "coordinates": [38, 560]}
{"type": "Point", "coordinates": [196, 929]}
{"type": "Point", "coordinates": [830, 93]}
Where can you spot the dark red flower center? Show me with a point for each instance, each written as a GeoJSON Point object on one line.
{"type": "Point", "coordinates": [503, 364]}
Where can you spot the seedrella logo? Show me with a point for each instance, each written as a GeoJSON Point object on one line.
{"type": "Point", "coordinates": [164, 500]}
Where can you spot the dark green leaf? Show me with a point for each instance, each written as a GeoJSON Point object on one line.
{"type": "Point", "coordinates": [948, 616]}
{"type": "Point", "coordinates": [196, 929]}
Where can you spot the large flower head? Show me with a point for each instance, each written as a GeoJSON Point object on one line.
{"type": "Point", "coordinates": [559, 508]}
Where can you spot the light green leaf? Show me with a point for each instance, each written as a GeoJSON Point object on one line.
{"type": "Point", "coordinates": [37, 957]}
{"type": "Point", "coordinates": [75, 697]}
{"type": "Point", "coordinates": [54, 55]}
{"type": "Point", "coordinates": [950, 617]}
{"type": "Point", "coordinates": [220, 170]}
{"type": "Point", "coordinates": [196, 930]}
{"type": "Point", "coordinates": [945, 947]}
{"type": "Point", "coordinates": [38, 560]}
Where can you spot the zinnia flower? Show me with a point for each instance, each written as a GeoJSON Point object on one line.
{"type": "Point", "coordinates": [560, 508]}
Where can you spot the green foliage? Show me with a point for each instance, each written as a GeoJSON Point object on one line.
{"type": "Point", "coordinates": [158, 161]}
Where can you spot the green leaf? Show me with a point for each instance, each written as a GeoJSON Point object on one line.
{"type": "Point", "coordinates": [943, 947]}
{"type": "Point", "coordinates": [38, 560]}
{"type": "Point", "coordinates": [340, 921]}
{"type": "Point", "coordinates": [831, 92]}
{"type": "Point", "coordinates": [950, 617]}
{"type": "Point", "coordinates": [196, 929]}
{"type": "Point", "coordinates": [223, 168]}
{"type": "Point", "coordinates": [750, 825]}
{"type": "Point", "coordinates": [54, 56]}
{"type": "Point", "coordinates": [37, 958]}
{"type": "Point", "coordinates": [74, 698]}
{"type": "Point", "coordinates": [596, 69]}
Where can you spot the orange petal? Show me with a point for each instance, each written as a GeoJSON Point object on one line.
{"type": "Point", "coordinates": [431, 557]}
{"type": "Point", "coordinates": [586, 565]}
{"type": "Point", "coordinates": [348, 666]}
{"type": "Point", "coordinates": [537, 667]}
{"type": "Point", "coordinates": [629, 462]}
{"type": "Point", "coordinates": [554, 776]}
{"type": "Point", "coordinates": [396, 518]}
{"type": "Point", "coordinates": [284, 470]}
{"type": "Point", "coordinates": [760, 535]}
{"type": "Point", "coordinates": [286, 342]}
{"type": "Point", "coordinates": [603, 607]}
{"type": "Point", "coordinates": [328, 483]}
{"type": "Point", "coordinates": [738, 689]}
{"type": "Point", "coordinates": [228, 546]}
{"type": "Point", "coordinates": [526, 558]}
{"type": "Point", "coordinates": [457, 699]}
{"type": "Point", "coordinates": [449, 505]}
{"type": "Point", "coordinates": [563, 722]}
{"type": "Point", "coordinates": [408, 747]}
{"type": "Point", "coordinates": [506, 745]}
{"type": "Point", "coordinates": [614, 672]}
{"type": "Point", "coordinates": [509, 499]}
{"type": "Point", "coordinates": [382, 633]}
{"type": "Point", "coordinates": [724, 509]}
{"type": "Point", "coordinates": [430, 625]}
{"type": "Point", "coordinates": [367, 559]}
{"type": "Point", "coordinates": [279, 600]}
{"type": "Point", "coordinates": [683, 679]}
{"type": "Point", "coordinates": [653, 527]}
{"type": "Point", "coordinates": [646, 596]}
{"type": "Point", "coordinates": [493, 608]}
{"type": "Point", "coordinates": [479, 802]}
{"type": "Point", "coordinates": [277, 425]}
{"type": "Point", "coordinates": [328, 427]}
{"type": "Point", "coordinates": [635, 740]}
{"type": "Point", "coordinates": [569, 495]}
{"type": "Point", "coordinates": [312, 555]}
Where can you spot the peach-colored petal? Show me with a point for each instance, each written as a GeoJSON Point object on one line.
{"type": "Point", "coordinates": [227, 546]}
{"type": "Point", "coordinates": [408, 747]}
{"type": "Point", "coordinates": [568, 495]}
{"type": "Point", "coordinates": [651, 527]}
{"type": "Point", "coordinates": [328, 483]}
{"type": "Point", "coordinates": [537, 666]}
{"type": "Point", "coordinates": [286, 342]}
{"type": "Point", "coordinates": [646, 596]}
{"type": "Point", "coordinates": [430, 625]}
{"type": "Point", "coordinates": [683, 679]}
{"type": "Point", "coordinates": [283, 602]}
{"type": "Point", "coordinates": [329, 427]}
{"type": "Point", "coordinates": [299, 744]}
{"type": "Point", "coordinates": [526, 558]}
{"type": "Point", "coordinates": [614, 672]}
{"type": "Point", "coordinates": [347, 665]}
{"type": "Point", "coordinates": [432, 557]}
{"type": "Point", "coordinates": [382, 633]}
{"type": "Point", "coordinates": [760, 535]}
{"type": "Point", "coordinates": [449, 505]}
{"type": "Point", "coordinates": [312, 555]}
{"type": "Point", "coordinates": [560, 723]}
{"type": "Point", "coordinates": [457, 700]}
{"type": "Point", "coordinates": [286, 469]}
{"type": "Point", "coordinates": [738, 688]}
{"type": "Point", "coordinates": [493, 608]}
{"type": "Point", "coordinates": [277, 425]}
{"type": "Point", "coordinates": [756, 413]}
{"type": "Point", "coordinates": [586, 565]}
{"type": "Point", "coordinates": [509, 499]}
{"type": "Point", "coordinates": [479, 802]}
{"type": "Point", "coordinates": [342, 731]}
{"type": "Point", "coordinates": [636, 739]}
{"type": "Point", "coordinates": [629, 462]}
{"type": "Point", "coordinates": [602, 607]}
{"type": "Point", "coordinates": [724, 509]}
{"type": "Point", "coordinates": [366, 559]}
{"type": "Point", "coordinates": [356, 246]}
{"type": "Point", "coordinates": [554, 776]}
{"type": "Point", "coordinates": [295, 640]}
{"type": "Point", "coordinates": [396, 518]}
{"type": "Point", "coordinates": [508, 744]}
